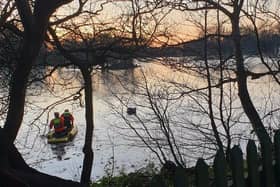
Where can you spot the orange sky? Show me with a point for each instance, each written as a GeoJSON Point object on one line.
{"type": "Point", "coordinates": [176, 21]}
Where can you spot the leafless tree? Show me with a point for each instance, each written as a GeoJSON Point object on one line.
{"type": "Point", "coordinates": [229, 70]}
{"type": "Point", "coordinates": [104, 40]}
{"type": "Point", "coordinates": [34, 20]}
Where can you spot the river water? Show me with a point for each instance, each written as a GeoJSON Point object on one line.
{"type": "Point", "coordinates": [115, 147]}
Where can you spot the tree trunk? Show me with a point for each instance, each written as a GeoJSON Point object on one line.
{"type": "Point", "coordinates": [209, 84]}
{"type": "Point", "coordinates": [18, 84]}
{"type": "Point", "coordinates": [35, 25]}
{"type": "Point", "coordinates": [248, 106]}
{"type": "Point", "coordinates": [243, 93]}
{"type": "Point", "coordinates": [86, 73]}
{"type": "Point", "coordinates": [88, 159]}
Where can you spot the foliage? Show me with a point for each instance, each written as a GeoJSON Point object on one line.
{"type": "Point", "coordinates": [139, 178]}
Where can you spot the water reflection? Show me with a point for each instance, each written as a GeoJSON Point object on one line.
{"type": "Point", "coordinates": [60, 150]}
{"type": "Point", "coordinates": [107, 126]}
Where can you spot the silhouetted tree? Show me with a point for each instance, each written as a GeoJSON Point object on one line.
{"type": "Point", "coordinates": [34, 17]}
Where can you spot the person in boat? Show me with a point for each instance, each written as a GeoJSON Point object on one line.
{"type": "Point", "coordinates": [58, 124]}
{"type": "Point", "coordinates": [68, 120]}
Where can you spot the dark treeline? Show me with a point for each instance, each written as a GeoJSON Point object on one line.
{"type": "Point", "coordinates": [119, 54]}
{"type": "Point", "coordinates": [111, 54]}
{"type": "Point", "coordinates": [269, 43]}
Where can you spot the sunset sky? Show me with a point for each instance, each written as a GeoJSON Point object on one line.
{"type": "Point", "coordinates": [181, 26]}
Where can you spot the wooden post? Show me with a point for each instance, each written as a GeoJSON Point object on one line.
{"type": "Point", "coordinates": [157, 181]}
{"type": "Point", "coordinates": [180, 178]}
{"type": "Point", "coordinates": [220, 170]}
{"type": "Point", "coordinates": [268, 174]}
{"type": "Point", "coordinates": [201, 171]}
{"type": "Point", "coordinates": [237, 167]}
{"type": "Point", "coordinates": [277, 157]}
{"type": "Point", "coordinates": [252, 164]}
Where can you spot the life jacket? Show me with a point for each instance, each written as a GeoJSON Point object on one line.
{"type": "Point", "coordinates": [58, 125]}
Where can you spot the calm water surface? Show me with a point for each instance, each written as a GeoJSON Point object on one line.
{"type": "Point", "coordinates": [113, 149]}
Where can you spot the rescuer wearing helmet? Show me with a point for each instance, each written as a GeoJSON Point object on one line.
{"type": "Point", "coordinates": [68, 120]}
